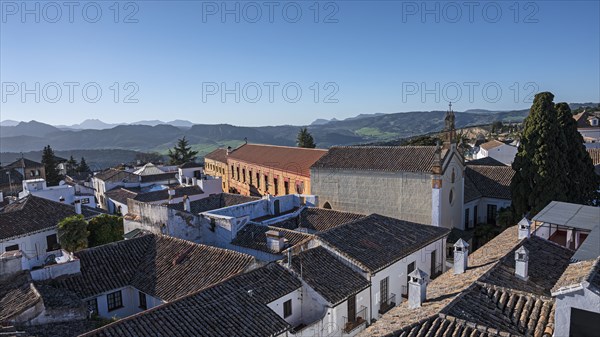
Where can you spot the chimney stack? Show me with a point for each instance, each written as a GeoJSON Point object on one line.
{"type": "Point", "coordinates": [171, 193]}
{"type": "Point", "coordinates": [417, 288]}
{"type": "Point", "coordinates": [522, 263]}
{"type": "Point", "coordinates": [61, 199]}
{"type": "Point", "coordinates": [461, 256]}
{"type": "Point", "coordinates": [186, 204]}
{"type": "Point", "coordinates": [289, 258]}
{"type": "Point", "coordinates": [229, 150]}
{"type": "Point", "coordinates": [194, 181]}
{"type": "Point", "coordinates": [275, 240]}
{"type": "Point", "coordinates": [524, 228]}
{"type": "Point", "coordinates": [10, 263]}
{"type": "Point", "coordinates": [77, 206]}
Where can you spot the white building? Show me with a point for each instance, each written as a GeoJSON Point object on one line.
{"type": "Point", "coordinates": [502, 152]}
{"type": "Point", "coordinates": [63, 192]}
{"type": "Point", "coordinates": [577, 295]}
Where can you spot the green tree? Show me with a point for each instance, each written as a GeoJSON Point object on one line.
{"type": "Point", "coordinates": [73, 233]}
{"type": "Point", "coordinates": [305, 139]}
{"type": "Point", "coordinates": [181, 153]}
{"type": "Point", "coordinates": [71, 165]}
{"type": "Point", "coordinates": [50, 166]}
{"type": "Point", "coordinates": [83, 166]}
{"type": "Point", "coordinates": [149, 157]}
{"type": "Point", "coordinates": [541, 169]}
{"type": "Point", "coordinates": [583, 182]}
{"type": "Point", "coordinates": [105, 229]}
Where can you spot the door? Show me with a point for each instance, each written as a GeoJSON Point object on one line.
{"type": "Point", "coordinates": [433, 263]}
{"type": "Point", "coordinates": [276, 206]}
{"type": "Point", "coordinates": [352, 308]}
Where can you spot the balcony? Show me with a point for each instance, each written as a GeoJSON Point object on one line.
{"type": "Point", "coordinates": [387, 304]}
{"type": "Point", "coordinates": [353, 323]}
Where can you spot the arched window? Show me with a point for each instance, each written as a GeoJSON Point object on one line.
{"type": "Point", "coordinates": [453, 176]}
{"type": "Point", "coordinates": [327, 205]}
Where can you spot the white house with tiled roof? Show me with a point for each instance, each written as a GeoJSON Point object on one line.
{"type": "Point", "coordinates": [502, 152]}
{"type": "Point", "coordinates": [422, 184]}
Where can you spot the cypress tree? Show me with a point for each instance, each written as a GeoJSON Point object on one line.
{"type": "Point", "coordinates": [49, 161]}
{"type": "Point", "coordinates": [71, 165]}
{"type": "Point", "coordinates": [182, 153]}
{"type": "Point", "coordinates": [540, 164]}
{"type": "Point", "coordinates": [583, 182]}
{"type": "Point", "coordinates": [83, 166]}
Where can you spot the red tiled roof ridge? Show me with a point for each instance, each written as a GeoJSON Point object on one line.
{"type": "Point", "coordinates": [279, 146]}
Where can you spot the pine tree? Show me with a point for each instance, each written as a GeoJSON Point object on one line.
{"type": "Point", "coordinates": [83, 166]}
{"type": "Point", "coordinates": [71, 165]}
{"type": "Point", "coordinates": [182, 153]}
{"type": "Point", "coordinates": [541, 167]}
{"type": "Point", "coordinates": [50, 166]}
{"type": "Point", "coordinates": [583, 182]}
{"type": "Point", "coordinates": [305, 139]}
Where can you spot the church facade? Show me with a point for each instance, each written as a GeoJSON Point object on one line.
{"type": "Point", "coordinates": [423, 184]}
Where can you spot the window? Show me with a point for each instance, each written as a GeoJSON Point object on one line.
{"type": "Point", "coordinates": [451, 197]}
{"type": "Point", "coordinates": [466, 218]}
{"type": "Point", "coordinates": [258, 180]}
{"type": "Point", "coordinates": [251, 177]}
{"type": "Point", "coordinates": [238, 173]}
{"type": "Point", "coordinates": [352, 308]}
{"type": "Point", "coordinates": [92, 306]}
{"type": "Point", "coordinates": [232, 171]}
{"type": "Point", "coordinates": [276, 186]}
{"type": "Point", "coordinates": [12, 248]}
{"type": "Point", "coordinates": [384, 289]}
{"type": "Point", "coordinates": [287, 308]}
{"type": "Point", "coordinates": [114, 300]}
{"type": "Point", "coordinates": [244, 175]}
{"type": "Point", "coordinates": [491, 214]}
{"type": "Point", "coordinates": [142, 300]}
{"type": "Point", "coordinates": [266, 183]}
{"type": "Point", "coordinates": [52, 243]}
{"type": "Point", "coordinates": [286, 187]}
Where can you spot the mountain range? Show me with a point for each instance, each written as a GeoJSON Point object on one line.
{"type": "Point", "coordinates": [156, 136]}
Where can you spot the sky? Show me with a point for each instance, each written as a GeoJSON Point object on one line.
{"type": "Point", "coordinates": [272, 63]}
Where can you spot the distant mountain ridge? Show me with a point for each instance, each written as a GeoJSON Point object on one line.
{"type": "Point", "coordinates": [364, 128]}
{"type": "Point", "coordinates": [96, 124]}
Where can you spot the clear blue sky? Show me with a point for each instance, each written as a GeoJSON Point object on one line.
{"type": "Point", "coordinates": [376, 54]}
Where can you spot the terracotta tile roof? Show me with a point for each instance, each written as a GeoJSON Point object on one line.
{"type": "Point", "coordinates": [236, 307]}
{"type": "Point", "coordinates": [488, 181]}
{"type": "Point", "coordinates": [578, 273]}
{"type": "Point", "coordinates": [484, 296]}
{"type": "Point", "coordinates": [582, 120]}
{"type": "Point", "coordinates": [180, 191]}
{"type": "Point", "coordinates": [379, 158]}
{"type": "Point", "coordinates": [23, 163]}
{"type": "Point", "coordinates": [214, 201]}
{"type": "Point", "coordinates": [487, 161]}
{"type": "Point", "coordinates": [318, 219]}
{"type": "Point", "coordinates": [327, 275]}
{"type": "Point", "coordinates": [32, 214]}
{"type": "Point", "coordinates": [160, 266]}
{"type": "Point", "coordinates": [115, 175]}
{"type": "Point", "coordinates": [254, 237]}
{"type": "Point", "coordinates": [296, 160]}
{"type": "Point", "coordinates": [503, 311]}
{"type": "Point", "coordinates": [595, 155]}
{"type": "Point", "coordinates": [70, 328]}
{"type": "Point", "coordinates": [491, 144]}
{"type": "Point", "coordinates": [17, 294]}
{"type": "Point", "coordinates": [547, 261]}
{"type": "Point", "coordinates": [376, 241]}
{"type": "Point", "coordinates": [190, 164]}
{"type": "Point", "coordinates": [121, 195]}
{"type": "Point", "coordinates": [219, 155]}
{"type": "Point", "coordinates": [158, 177]}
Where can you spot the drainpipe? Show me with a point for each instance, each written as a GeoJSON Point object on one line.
{"type": "Point", "coordinates": [370, 300]}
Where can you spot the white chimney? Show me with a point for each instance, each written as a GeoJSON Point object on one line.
{"type": "Point", "coordinates": [417, 288]}
{"type": "Point", "coordinates": [77, 206]}
{"type": "Point", "coordinates": [61, 199]}
{"type": "Point", "coordinates": [194, 181]}
{"type": "Point", "coordinates": [522, 263]}
{"type": "Point", "coordinates": [524, 228]}
{"type": "Point", "coordinates": [229, 150]}
{"type": "Point", "coordinates": [275, 240]}
{"type": "Point", "coordinates": [289, 258]}
{"type": "Point", "coordinates": [461, 256]}
{"type": "Point", "coordinates": [186, 204]}
{"type": "Point", "coordinates": [1, 196]}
